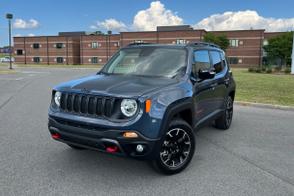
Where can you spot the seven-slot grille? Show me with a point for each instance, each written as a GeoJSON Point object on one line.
{"type": "Point", "coordinates": [91, 105]}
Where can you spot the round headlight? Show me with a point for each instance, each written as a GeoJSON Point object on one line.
{"type": "Point", "coordinates": [57, 98]}
{"type": "Point", "coordinates": [128, 107]}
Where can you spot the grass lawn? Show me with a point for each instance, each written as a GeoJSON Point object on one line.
{"type": "Point", "coordinates": [8, 71]}
{"type": "Point", "coordinates": [264, 88]}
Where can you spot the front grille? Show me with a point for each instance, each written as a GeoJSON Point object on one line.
{"type": "Point", "coordinates": [88, 105]}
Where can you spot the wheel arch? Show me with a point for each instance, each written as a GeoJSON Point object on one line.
{"type": "Point", "coordinates": [183, 109]}
{"type": "Point", "coordinates": [232, 94]}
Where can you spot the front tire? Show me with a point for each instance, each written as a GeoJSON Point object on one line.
{"type": "Point", "coordinates": [225, 120]}
{"type": "Point", "coordinates": [176, 148]}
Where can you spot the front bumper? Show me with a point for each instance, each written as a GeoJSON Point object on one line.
{"type": "Point", "coordinates": [95, 137]}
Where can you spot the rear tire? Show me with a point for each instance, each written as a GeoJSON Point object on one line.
{"type": "Point", "coordinates": [225, 120]}
{"type": "Point", "coordinates": [75, 147]}
{"type": "Point", "coordinates": [176, 148]}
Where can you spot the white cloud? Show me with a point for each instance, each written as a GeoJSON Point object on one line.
{"type": "Point", "coordinates": [22, 24]}
{"type": "Point", "coordinates": [20, 35]}
{"type": "Point", "coordinates": [155, 15]}
{"type": "Point", "coordinates": [110, 24]}
{"type": "Point", "coordinates": [144, 20]}
{"type": "Point", "coordinates": [244, 20]}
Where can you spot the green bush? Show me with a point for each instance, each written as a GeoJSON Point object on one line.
{"type": "Point", "coordinates": [278, 68]}
{"type": "Point", "coordinates": [287, 70]}
{"type": "Point", "coordinates": [258, 70]}
{"type": "Point", "coordinates": [263, 69]}
{"type": "Point", "coordinates": [251, 69]}
{"type": "Point", "coordinates": [269, 70]}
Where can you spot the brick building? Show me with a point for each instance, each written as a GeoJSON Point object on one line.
{"type": "Point", "coordinates": [245, 47]}
{"type": "Point", "coordinates": [80, 48]}
{"type": "Point", "coordinates": [47, 50]}
{"type": "Point", "coordinates": [97, 49]}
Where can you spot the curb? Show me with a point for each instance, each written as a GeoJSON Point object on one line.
{"type": "Point", "coordinates": [264, 105]}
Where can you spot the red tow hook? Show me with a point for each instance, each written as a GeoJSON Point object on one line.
{"type": "Point", "coordinates": [111, 149]}
{"type": "Point", "coordinates": [55, 136]}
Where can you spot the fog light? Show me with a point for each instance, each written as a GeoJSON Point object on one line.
{"type": "Point", "coordinates": [130, 134]}
{"type": "Point", "coordinates": [112, 149]}
{"type": "Point", "coordinates": [140, 148]}
{"type": "Point", "coordinates": [55, 136]}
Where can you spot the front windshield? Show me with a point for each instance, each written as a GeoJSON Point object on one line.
{"type": "Point", "coordinates": [148, 61]}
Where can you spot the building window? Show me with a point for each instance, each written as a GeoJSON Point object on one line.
{"type": "Point", "coordinates": [233, 60]}
{"type": "Point", "coordinates": [36, 59]}
{"type": "Point", "coordinates": [116, 44]}
{"type": "Point", "coordinates": [181, 41]}
{"type": "Point", "coordinates": [234, 42]}
{"type": "Point", "coordinates": [36, 45]}
{"type": "Point", "coordinates": [94, 60]}
{"type": "Point", "coordinates": [94, 45]}
{"type": "Point", "coordinates": [59, 59]}
{"type": "Point", "coordinates": [59, 45]}
{"type": "Point", "coordinates": [19, 52]}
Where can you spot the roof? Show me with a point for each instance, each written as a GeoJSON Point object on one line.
{"type": "Point", "coordinates": [174, 28]}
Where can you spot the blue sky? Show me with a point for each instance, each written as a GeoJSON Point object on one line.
{"type": "Point", "coordinates": [52, 16]}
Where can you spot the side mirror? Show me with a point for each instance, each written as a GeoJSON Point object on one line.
{"type": "Point", "coordinates": [206, 74]}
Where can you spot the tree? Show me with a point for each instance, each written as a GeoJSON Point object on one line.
{"type": "Point", "coordinates": [280, 47]}
{"type": "Point", "coordinates": [220, 40]}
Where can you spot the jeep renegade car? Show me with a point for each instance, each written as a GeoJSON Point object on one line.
{"type": "Point", "coordinates": [145, 103]}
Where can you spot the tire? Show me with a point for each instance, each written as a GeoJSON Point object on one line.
{"type": "Point", "coordinates": [176, 149]}
{"type": "Point", "coordinates": [75, 147]}
{"type": "Point", "coordinates": [225, 120]}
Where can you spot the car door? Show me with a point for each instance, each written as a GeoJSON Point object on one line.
{"type": "Point", "coordinates": [219, 83]}
{"type": "Point", "coordinates": [202, 91]}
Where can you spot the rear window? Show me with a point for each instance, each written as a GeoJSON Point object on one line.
{"type": "Point", "coordinates": [216, 61]}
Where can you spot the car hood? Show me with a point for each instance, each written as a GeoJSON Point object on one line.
{"type": "Point", "coordinates": [116, 85]}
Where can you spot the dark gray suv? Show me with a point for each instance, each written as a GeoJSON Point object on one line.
{"type": "Point", "coordinates": [146, 102]}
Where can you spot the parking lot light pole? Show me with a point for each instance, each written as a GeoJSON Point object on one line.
{"type": "Point", "coordinates": [9, 17]}
{"type": "Point", "coordinates": [292, 60]}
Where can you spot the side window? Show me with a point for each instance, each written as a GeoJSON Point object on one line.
{"type": "Point", "coordinates": [216, 61]}
{"type": "Point", "coordinates": [224, 61]}
{"type": "Point", "coordinates": [201, 59]}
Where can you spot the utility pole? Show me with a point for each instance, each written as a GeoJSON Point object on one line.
{"type": "Point", "coordinates": [292, 64]}
{"type": "Point", "coordinates": [9, 17]}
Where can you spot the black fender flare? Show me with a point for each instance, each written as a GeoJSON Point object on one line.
{"type": "Point", "coordinates": [173, 109]}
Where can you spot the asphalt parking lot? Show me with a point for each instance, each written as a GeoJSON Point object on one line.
{"type": "Point", "coordinates": [254, 157]}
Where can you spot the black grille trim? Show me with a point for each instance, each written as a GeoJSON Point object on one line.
{"type": "Point", "coordinates": [87, 105]}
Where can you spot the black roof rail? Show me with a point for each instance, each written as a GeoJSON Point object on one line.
{"type": "Point", "coordinates": [139, 43]}
{"type": "Point", "coordinates": [203, 44]}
